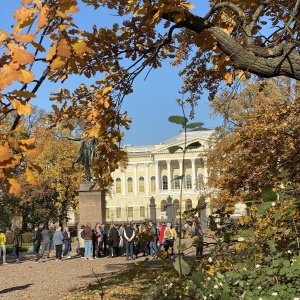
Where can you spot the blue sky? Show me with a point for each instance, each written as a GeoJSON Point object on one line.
{"type": "Point", "coordinates": [153, 99]}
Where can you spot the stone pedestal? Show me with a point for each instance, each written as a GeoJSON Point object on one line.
{"type": "Point", "coordinates": [92, 204]}
{"type": "Point", "coordinates": [152, 206]}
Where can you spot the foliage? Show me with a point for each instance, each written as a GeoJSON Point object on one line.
{"type": "Point", "coordinates": [45, 43]}
{"type": "Point", "coordinates": [257, 142]}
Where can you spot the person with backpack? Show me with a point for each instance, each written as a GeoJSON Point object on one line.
{"type": "Point", "coordinates": [153, 243]}
{"type": "Point", "coordinates": [170, 236]}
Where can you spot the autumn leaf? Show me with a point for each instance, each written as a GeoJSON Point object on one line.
{"type": "Point", "coordinates": [33, 153]}
{"type": "Point", "coordinates": [42, 17]}
{"type": "Point", "coordinates": [5, 153]}
{"type": "Point", "coordinates": [25, 38]}
{"type": "Point", "coordinates": [228, 78]}
{"type": "Point", "coordinates": [22, 107]}
{"type": "Point", "coordinates": [30, 177]}
{"type": "Point", "coordinates": [81, 47]}
{"type": "Point", "coordinates": [14, 186]}
{"type": "Point", "coordinates": [20, 55]}
{"type": "Point", "coordinates": [26, 76]}
{"type": "Point", "coordinates": [63, 49]}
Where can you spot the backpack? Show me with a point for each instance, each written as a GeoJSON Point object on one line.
{"type": "Point", "coordinates": [169, 234]}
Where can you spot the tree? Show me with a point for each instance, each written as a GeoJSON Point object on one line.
{"type": "Point", "coordinates": [228, 43]}
{"type": "Point", "coordinates": [259, 141]}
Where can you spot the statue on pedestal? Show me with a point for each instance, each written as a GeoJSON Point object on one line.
{"type": "Point", "coordinates": [86, 156]}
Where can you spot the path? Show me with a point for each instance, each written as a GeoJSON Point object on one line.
{"type": "Point", "coordinates": [52, 279]}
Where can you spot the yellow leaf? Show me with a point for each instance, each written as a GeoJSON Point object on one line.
{"type": "Point", "coordinates": [107, 89]}
{"type": "Point", "coordinates": [30, 177]}
{"type": "Point", "coordinates": [63, 27]}
{"type": "Point", "coordinates": [57, 63]}
{"type": "Point", "coordinates": [33, 153]}
{"type": "Point", "coordinates": [42, 21]}
{"type": "Point", "coordinates": [51, 52]}
{"type": "Point", "coordinates": [26, 76]}
{"type": "Point", "coordinates": [22, 107]}
{"type": "Point", "coordinates": [81, 48]}
{"type": "Point", "coordinates": [14, 143]}
{"type": "Point", "coordinates": [61, 14]}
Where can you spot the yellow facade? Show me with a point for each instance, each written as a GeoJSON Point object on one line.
{"type": "Point", "coordinates": [151, 172]}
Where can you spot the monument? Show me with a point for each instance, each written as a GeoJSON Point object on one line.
{"type": "Point", "coordinates": [91, 198]}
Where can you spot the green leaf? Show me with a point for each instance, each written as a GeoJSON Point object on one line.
{"type": "Point", "coordinates": [184, 266]}
{"type": "Point", "coordinates": [178, 120]}
{"type": "Point", "coordinates": [193, 146]}
{"type": "Point", "coordinates": [182, 247]}
{"type": "Point", "coordinates": [173, 149]}
{"type": "Point", "coordinates": [269, 195]}
{"type": "Point", "coordinates": [194, 125]}
{"type": "Point", "coordinates": [263, 207]}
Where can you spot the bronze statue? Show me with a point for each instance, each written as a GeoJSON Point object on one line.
{"type": "Point", "coordinates": [86, 156]}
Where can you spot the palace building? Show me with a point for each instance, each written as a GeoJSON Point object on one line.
{"type": "Point", "coordinates": [149, 180]}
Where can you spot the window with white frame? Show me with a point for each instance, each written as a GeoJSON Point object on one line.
{"type": "Point", "coordinates": [118, 185]}
{"type": "Point", "coordinates": [165, 182]}
{"type": "Point", "coordinates": [141, 185]}
{"type": "Point", "coordinates": [142, 212]}
{"type": "Point", "coordinates": [188, 182]}
{"type": "Point", "coordinates": [152, 184]}
{"type": "Point", "coordinates": [176, 182]}
{"type": "Point", "coordinates": [129, 185]}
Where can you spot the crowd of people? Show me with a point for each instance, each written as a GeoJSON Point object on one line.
{"type": "Point", "coordinates": [129, 240]}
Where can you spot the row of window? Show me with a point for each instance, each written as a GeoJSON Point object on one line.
{"type": "Point", "coordinates": [116, 213]}
{"type": "Point", "coordinates": [141, 183]}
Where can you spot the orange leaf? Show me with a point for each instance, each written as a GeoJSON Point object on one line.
{"type": "Point", "coordinates": [21, 14]}
{"type": "Point", "coordinates": [63, 49]}
{"type": "Point", "coordinates": [3, 36]}
{"type": "Point", "coordinates": [20, 55]}
{"type": "Point", "coordinates": [33, 153]}
{"type": "Point", "coordinates": [228, 78]}
{"type": "Point", "coordinates": [30, 177]}
{"type": "Point", "coordinates": [7, 76]}
{"type": "Point", "coordinates": [42, 21]}
{"type": "Point", "coordinates": [14, 186]}
{"type": "Point", "coordinates": [14, 143]}
{"type": "Point", "coordinates": [27, 141]}
{"type": "Point", "coordinates": [38, 46]}
{"type": "Point", "coordinates": [25, 38]}
{"type": "Point", "coordinates": [5, 152]}
{"type": "Point", "coordinates": [26, 76]}
{"type": "Point", "coordinates": [22, 107]}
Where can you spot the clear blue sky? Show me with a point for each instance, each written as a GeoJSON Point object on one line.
{"type": "Point", "coordinates": [153, 99]}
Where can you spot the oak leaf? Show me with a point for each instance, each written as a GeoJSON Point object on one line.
{"type": "Point", "coordinates": [26, 76]}
{"type": "Point", "coordinates": [63, 49]}
{"type": "Point", "coordinates": [20, 55]}
{"type": "Point", "coordinates": [14, 186]}
{"type": "Point", "coordinates": [5, 152]}
{"type": "Point", "coordinates": [30, 177]}
{"type": "Point", "coordinates": [25, 38]}
{"type": "Point", "coordinates": [22, 107]}
{"type": "Point", "coordinates": [33, 153]}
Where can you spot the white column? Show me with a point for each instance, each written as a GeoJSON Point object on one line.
{"type": "Point", "coordinates": [169, 175]}
{"type": "Point", "coordinates": [194, 175]}
{"type": "Point", "coordinates": [147, 179]}
{"type": "Point", "coordinates": [205, 170]}
{"type": "Point", "coordinates": [157, 176]}
{"type": "Point", "coordinates": [135, 180]}
{"type": "Point", "coordinates": [181, 172]}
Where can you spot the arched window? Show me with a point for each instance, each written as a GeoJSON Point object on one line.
{"type": "Point", "coordinates": [188, 204]}
{"type": "Point", "coordinates": [176, 182]}
{"type": "Point", "coordinates": [188, 182]}
{"type": "Point", "coordinates": [176, 210]}
{"type": "Point", "coordinates": [165, 182]}
{"type": "Point", "coordinates": [141, 184]}
{"type": "Point", "coordinates": [152, 184]}
{"type": "Point", "coordinates": [163, 205]}
{"type": "Point", "coordinates": [129, 185]}
{"type": "Point", "coordinates": [200, 181]}
{"type": "Point", "coordinates": [118, 185]}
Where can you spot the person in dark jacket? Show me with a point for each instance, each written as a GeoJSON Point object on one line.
{"type": "Point", "coordinates": [129, 234]}
{"type": "Point", "coordinates": [113, 235]}
{"type": "Point", "coordinates": [17, 242]}
{"type": "Point", "coordinates": [37, 239]}
{"type": "Point", "coordinates": [47, 244]}
{"type": "Point", "coordinates": [88, 241]}
{"type": "Point", "coordinates": [67, 242]}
